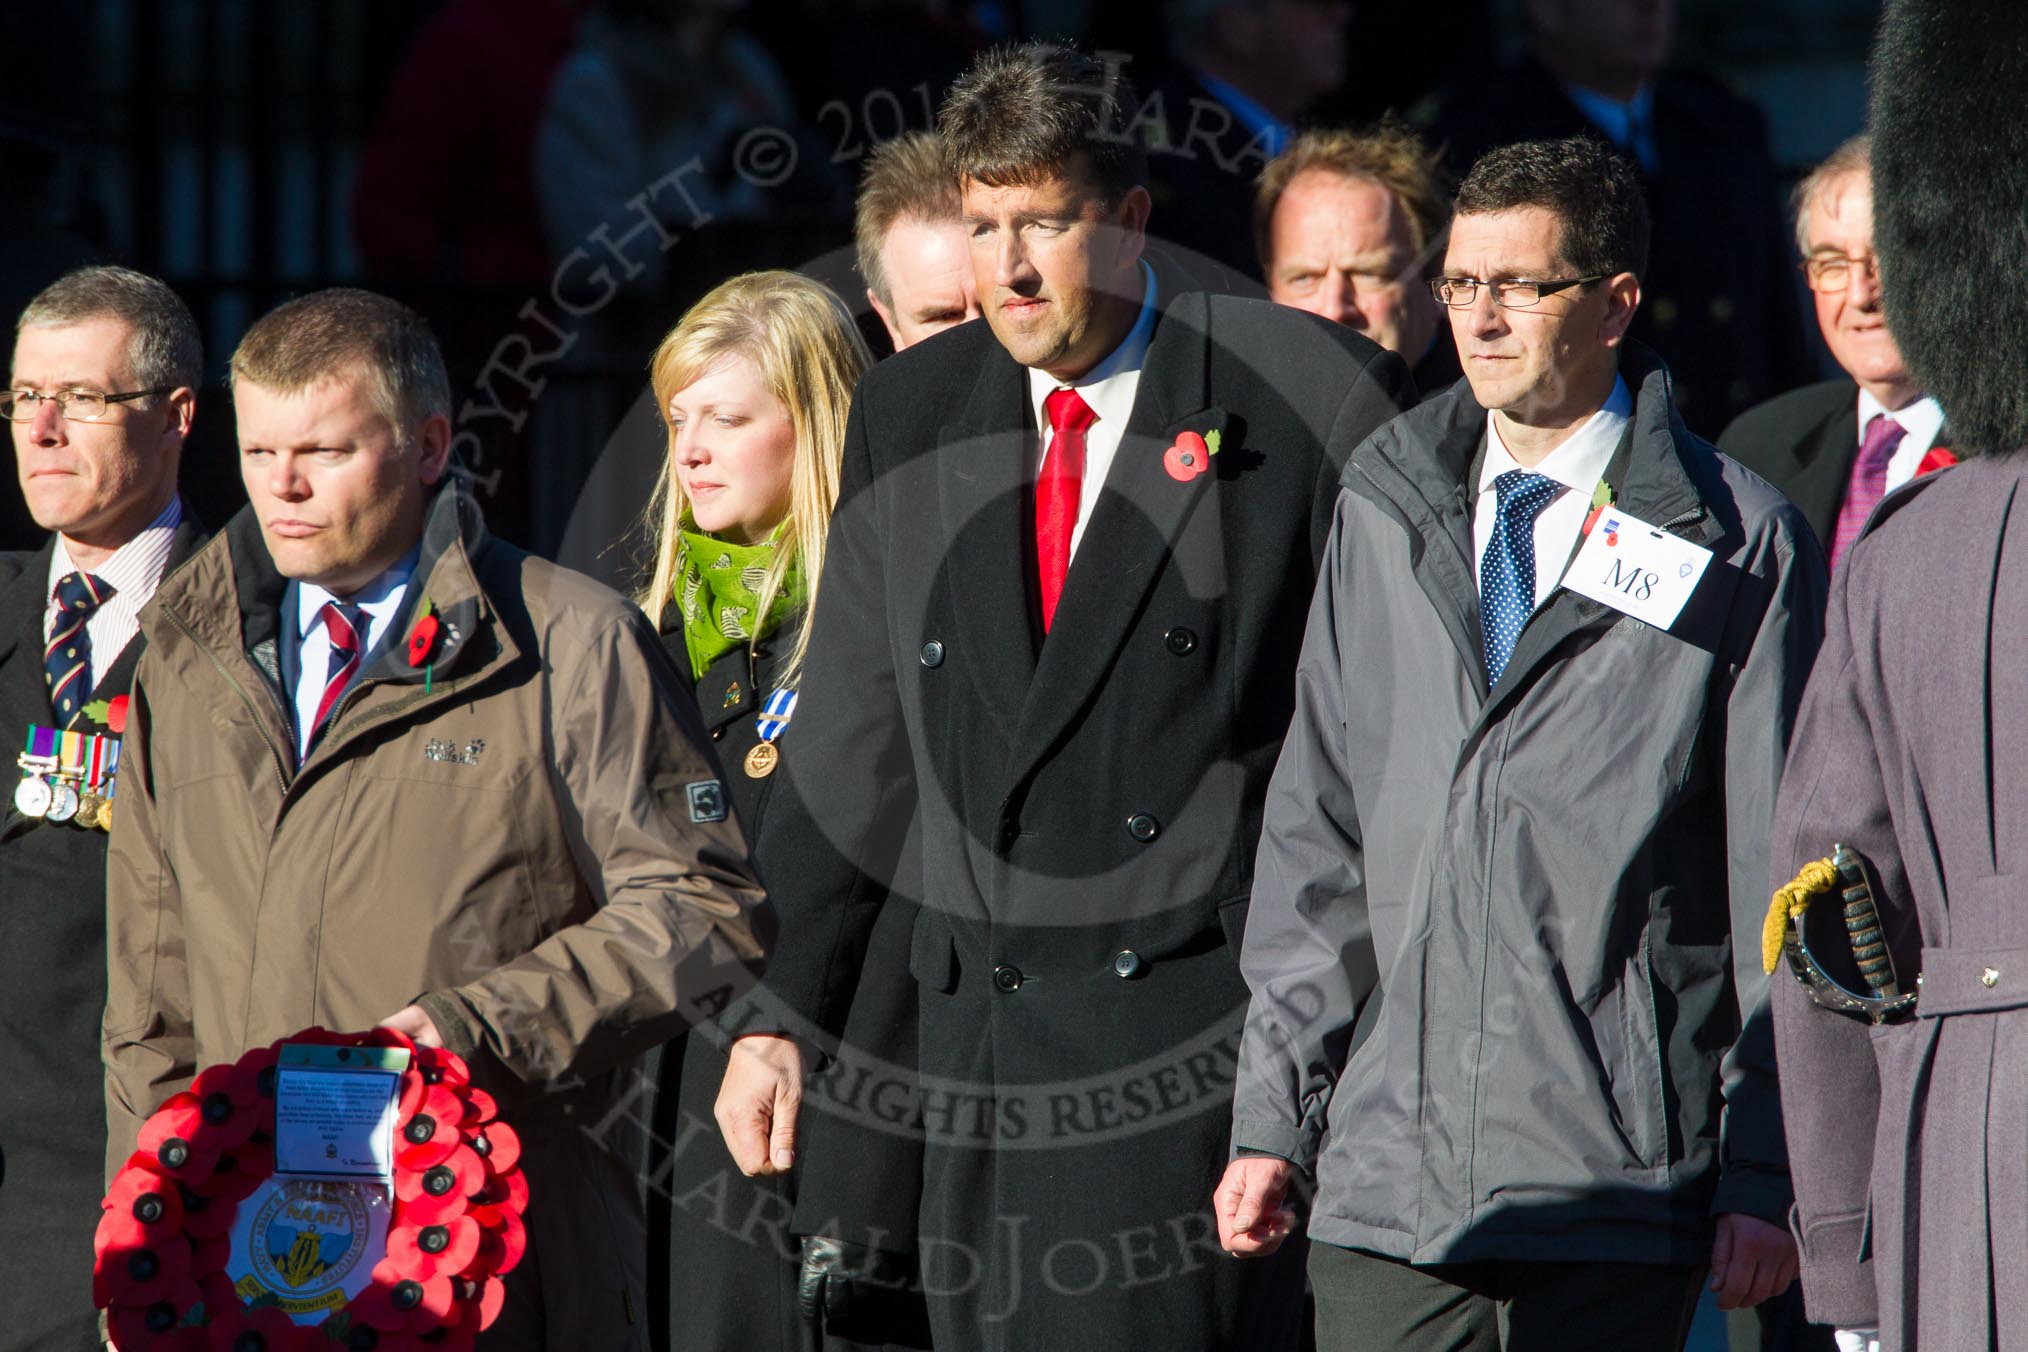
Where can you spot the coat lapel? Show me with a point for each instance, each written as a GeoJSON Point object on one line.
{"type": "Point", "coordinates": [1428, 497]}
{"type": "Point", "coordinates": [117, 677]}
{"type": "Point", "coordinates": [985, 482]}
{"type": "Point", "coordinates": [1133, 531]}
{"type": "Point", "coordinates": [24, 691]}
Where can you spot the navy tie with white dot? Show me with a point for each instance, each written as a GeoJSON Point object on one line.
{"type": "Point", "coordinates": [1507, 571]}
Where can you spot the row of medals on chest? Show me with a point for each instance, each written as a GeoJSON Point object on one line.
{"type": "Point", "coordinates": [68, 777]}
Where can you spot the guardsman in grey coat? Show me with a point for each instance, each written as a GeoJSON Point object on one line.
{"type": "Point", "coordinates": [1501, 1014]}
{"type": "Point", "coordinates": [1909, 1139]}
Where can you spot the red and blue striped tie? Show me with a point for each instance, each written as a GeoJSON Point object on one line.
{"type": "Point", "coordinates": [67, 661]}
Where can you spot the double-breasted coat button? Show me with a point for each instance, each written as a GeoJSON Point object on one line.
{"type": "Point", "coordinates": [1007, 978]}
{"type": "Point", "coordinates": [933, 653]}
{"type": "Point", "coordinates": [1127, 965]}
{"type": "Point", "coordinates": [1143, 828]}
{"type": "Point", "coordinates": [1180, 641]}
{"type": "Point", "coordinates": [718, 734]}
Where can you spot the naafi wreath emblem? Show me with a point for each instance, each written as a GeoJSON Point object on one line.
{"type": "Point", "coordinates": [311, 1266]}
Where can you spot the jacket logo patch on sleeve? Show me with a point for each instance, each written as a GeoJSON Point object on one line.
{"type": "Point", "coordinates": [707, 800]}
{"type": "Point", "coordinates": [449, 751]}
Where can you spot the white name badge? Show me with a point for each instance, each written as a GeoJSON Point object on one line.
{"type": "Point", "coordinates": [1637, 568]}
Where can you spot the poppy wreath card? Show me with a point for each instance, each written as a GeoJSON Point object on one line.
{"type": "Point", "coordinates": [200, 1245]}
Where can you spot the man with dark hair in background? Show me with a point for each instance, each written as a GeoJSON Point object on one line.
{"type": "Point", "coordinates": [1507, 1008]}
{"type": "Point", "coordinates": [1058, 625]}
{"type": "Point", "coordinates": [1837, 447]}
{"type": "Point", "coordinates": [1719, 296]}
{"type": "Point", "coordinates": [107, 364]}
{"type": "Point", "coordinates": [910, 242]}
{"type": "Point", "coordinates": [1350, 225]}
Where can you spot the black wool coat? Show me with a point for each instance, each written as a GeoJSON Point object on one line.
{"type": "Point", "coordinates": [723, 1248]}
{"type": "Point", "coordinates": [52, 993]}
{"type": "Point", "coordinates": [1087, 804]}
{"type": "Point", "coordinates": [1804, 443]}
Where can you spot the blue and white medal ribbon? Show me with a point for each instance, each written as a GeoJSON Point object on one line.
{"type": "Point", "coordinates": [774, 716]}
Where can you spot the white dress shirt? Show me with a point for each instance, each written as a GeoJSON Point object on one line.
{"type": "Point", "coordinates": [133, 572]}
{"type": "Point", "coordinates": [1578, 464]}
{"type": "Point", "coordinates": [1108, 389]}
{"type": "Point", "coordinates": [381, 601]}
{"type": "Point", "coordinates": [1922, 421]}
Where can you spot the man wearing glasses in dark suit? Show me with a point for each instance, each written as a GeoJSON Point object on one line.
{"type": "Point", "coordinates": [104, 386]}
{"type": "Point", "coordinates": [1838, 447]}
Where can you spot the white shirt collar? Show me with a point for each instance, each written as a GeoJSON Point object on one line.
{"type": "Point", "coordinates": [1108, 387]}
{"type": "Point", "coordinates": [1923, 419]}
{"type": "Point", "coordinates": [1580, 462]}
{"type": "Point", "coordinates": [135, 568]}
{"type": "Point", "coordinates": [379, 598]}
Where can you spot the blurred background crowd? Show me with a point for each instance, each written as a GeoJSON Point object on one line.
{"type": "Point", "coordinates": [551, 182]}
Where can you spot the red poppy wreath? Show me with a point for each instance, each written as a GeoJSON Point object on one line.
{"type": "Point", "coordinates": [165, 1243]}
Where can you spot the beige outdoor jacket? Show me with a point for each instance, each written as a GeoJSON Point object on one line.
{"type": "Point", "coordinates": [526, 833]}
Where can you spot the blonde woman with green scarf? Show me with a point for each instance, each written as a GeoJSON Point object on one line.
{"type": "Point", "coordinates": [753, 385]}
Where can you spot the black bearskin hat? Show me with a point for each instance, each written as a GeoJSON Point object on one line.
{"type": "Point", "coordinates": [1950, 194]}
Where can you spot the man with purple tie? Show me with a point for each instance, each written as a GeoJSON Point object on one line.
{"type": "Point", "coordinates": [1838, 447]}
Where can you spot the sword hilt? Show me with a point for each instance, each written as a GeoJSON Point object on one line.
{"type": "Point", "coordinates": [1862, 925]}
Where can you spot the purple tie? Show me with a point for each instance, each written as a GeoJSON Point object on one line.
{"type": "Point", "coordinates": [1869, 481]}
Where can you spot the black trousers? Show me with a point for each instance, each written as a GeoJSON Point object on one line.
{"type": "Point", "coordinates": [1371, 1304]}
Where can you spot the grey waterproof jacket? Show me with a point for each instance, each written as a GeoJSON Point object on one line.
{"type": "Point", "coordinates": [1502, 949]}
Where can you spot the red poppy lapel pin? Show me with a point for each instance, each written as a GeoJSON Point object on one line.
{"type": "Point", "coordinates": [1190, 455]}
{"type": "Point", "coordinates": [111, 714]}
{"type": "Point", "coordinates": [422, 642]}
{"type": "Point", "coordinates": [1939, 457]}
{"type": "Point", "coordinates": [422, 637]}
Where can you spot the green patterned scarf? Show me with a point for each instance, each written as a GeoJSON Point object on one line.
{"type": "Point", "coordinates": [718, 588]}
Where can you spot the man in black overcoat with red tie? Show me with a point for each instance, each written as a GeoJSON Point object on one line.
{"type": "Point", "coordinates": [1058, 623]}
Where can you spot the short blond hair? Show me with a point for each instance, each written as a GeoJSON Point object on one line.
{"type": "Point", "coordinates": [905, 179]}
{"type": "Point", "coordinates": [341, 331]}
{"type": "Point", "coordinates": [1387, 154]}
{"type": "Point", "coordinates": [802, 340]}
{"type": "Point", "coordinates": [1855, 156]}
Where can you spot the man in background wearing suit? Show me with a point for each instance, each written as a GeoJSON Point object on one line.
{"type": "Point", "coordinates": [1838, 447]}
{"type": "Point", "coordinates": [1241, 73]}
{"type": "Point", "coordinates": [1058, 625]}
{"type": "Point", "coordinates": [1719, 299]}
{"type": "Point", "coordinates": [107, 363]}
{"type": "Point", "coordinates": [1351, 225]}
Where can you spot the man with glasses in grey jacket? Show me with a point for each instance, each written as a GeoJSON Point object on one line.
{"type": "Point", "coordinates": [1508, 1011]}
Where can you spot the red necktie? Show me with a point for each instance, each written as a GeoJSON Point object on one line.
{"type": "Point", "coordinates": [339, 628]}
{"type": "Point", "coordinates": [1869, 482]}
{"type": "Point", "coordinates": [1056, 493]}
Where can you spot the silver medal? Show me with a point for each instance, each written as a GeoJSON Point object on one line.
{"type": "Point", "coordinates": [31, 796]}
{"type": "Point", "coordinates": [63, 801]}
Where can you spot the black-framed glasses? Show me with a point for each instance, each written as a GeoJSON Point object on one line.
{"type": "Point", "coordinates": [1509, 293]}
{"type": "Point", "coordinates": [1832, 272]}
{"type": "Point", "coordinates": [75, 405]}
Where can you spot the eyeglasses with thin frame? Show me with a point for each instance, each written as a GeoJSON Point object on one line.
{"type": "Point", "coordinates": [1832, 272]}
{"type": "Point", "coordinates": [1509, 293]}
{"type": "Point", "coordinates": [75, 405]}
